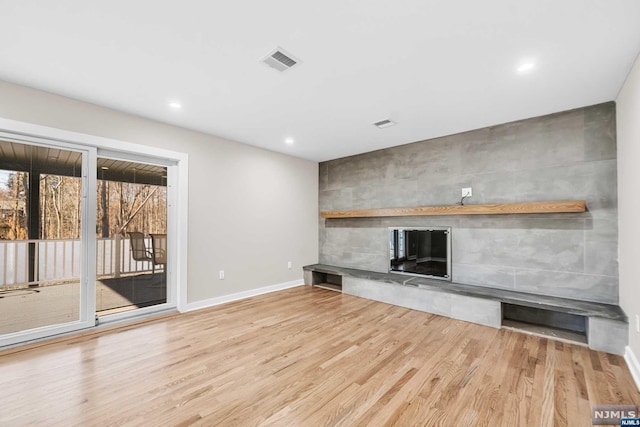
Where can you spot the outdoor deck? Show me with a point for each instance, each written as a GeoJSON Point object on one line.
{"type": "Point", "coordinates": [38, 306]}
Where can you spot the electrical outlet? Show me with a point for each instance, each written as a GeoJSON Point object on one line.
{"type": "Point", "coordinates": [467, 192]}
{"type": "Point", "coordinates": [289, 265]}
{"type": "Point", "coordinates": [221, 274]}
{"type": "Point", "coordinates": [637, 322]}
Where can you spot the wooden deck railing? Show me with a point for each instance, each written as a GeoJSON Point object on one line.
{"type": "Point", "coordinates": [59, 260]}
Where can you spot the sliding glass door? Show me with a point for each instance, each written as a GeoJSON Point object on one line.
{"type": "Point", "coordinates": [87, 233]}
{"type": "Point", "coordinates": [131, 252]}
{"type": "Point", "coordinates": [45, 243]}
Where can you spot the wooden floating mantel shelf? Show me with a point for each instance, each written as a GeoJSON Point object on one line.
{"type": "Point", "coordinates": [562, 206]}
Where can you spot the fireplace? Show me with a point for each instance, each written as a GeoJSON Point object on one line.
{"type": "Point", "coordinates": [420, 251]}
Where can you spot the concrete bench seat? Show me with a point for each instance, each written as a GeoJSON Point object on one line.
{"type": "Point", "coordinates": [606, 324]}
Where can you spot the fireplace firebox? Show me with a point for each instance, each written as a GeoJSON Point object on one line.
{"type": "Point", "coordinates": [420, 251]}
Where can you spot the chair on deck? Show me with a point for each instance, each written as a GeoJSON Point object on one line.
{"type": "Point", "coordinates": [139, 251]}
{"type": "Point", "coordinates": [159, 249]}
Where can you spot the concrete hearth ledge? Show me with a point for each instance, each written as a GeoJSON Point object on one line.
{"type": "Point", "coordinates": [606, 324]}
{"type": "Point", "coordinates": [565, 305]}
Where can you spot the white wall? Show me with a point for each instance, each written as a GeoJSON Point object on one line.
{"type": "Point", "coordinates": [628, 130]}
{"type": "Point", "coordinates": [250, 210]}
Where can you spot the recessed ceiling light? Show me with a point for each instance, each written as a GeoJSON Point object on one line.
{"type": "Point", "coordinates": [175, 105]}
{"type": "Point", "coordinates": [526, 66]}
{"type": "Point", "coordinates": [289, 141]}
{"type": "Point", "coordinates": [104, 168]}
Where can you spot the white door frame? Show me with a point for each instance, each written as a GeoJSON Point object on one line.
{"type": "Point", "coordinates": [178, 179]}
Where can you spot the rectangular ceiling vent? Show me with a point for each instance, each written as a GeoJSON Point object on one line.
{"type": "Point", "coordinates": [384, 123]}
{"type": "Point", "coordinates": [280, 59]}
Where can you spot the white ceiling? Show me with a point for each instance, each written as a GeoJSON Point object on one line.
{"type": "Point", "coordinates": [435, 67]}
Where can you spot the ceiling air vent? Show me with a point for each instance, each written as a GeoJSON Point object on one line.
{"type": "Point", "coordinates": [384, 123]}
{"type": "Point", "coordinates": [280, 59]}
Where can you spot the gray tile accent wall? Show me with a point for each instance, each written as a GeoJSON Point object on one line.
{"type": "Point", "coordinates": [569, 155]}
{"type": "Point", "coordinates": [607, 335]}
{"type": "Point", "coordinates": [477, 310]}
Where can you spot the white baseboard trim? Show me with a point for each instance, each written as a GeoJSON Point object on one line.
{"type": "Point", "coordinates": [633, 364]}
{"type": "Point", "coordinates": [197, 305]}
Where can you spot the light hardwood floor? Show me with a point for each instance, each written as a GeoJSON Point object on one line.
{"type": "Point", "coordinates": [308, 357]}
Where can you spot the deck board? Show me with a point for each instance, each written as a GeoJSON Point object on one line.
{"type": "Point", "coordinates": [34, 307]}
